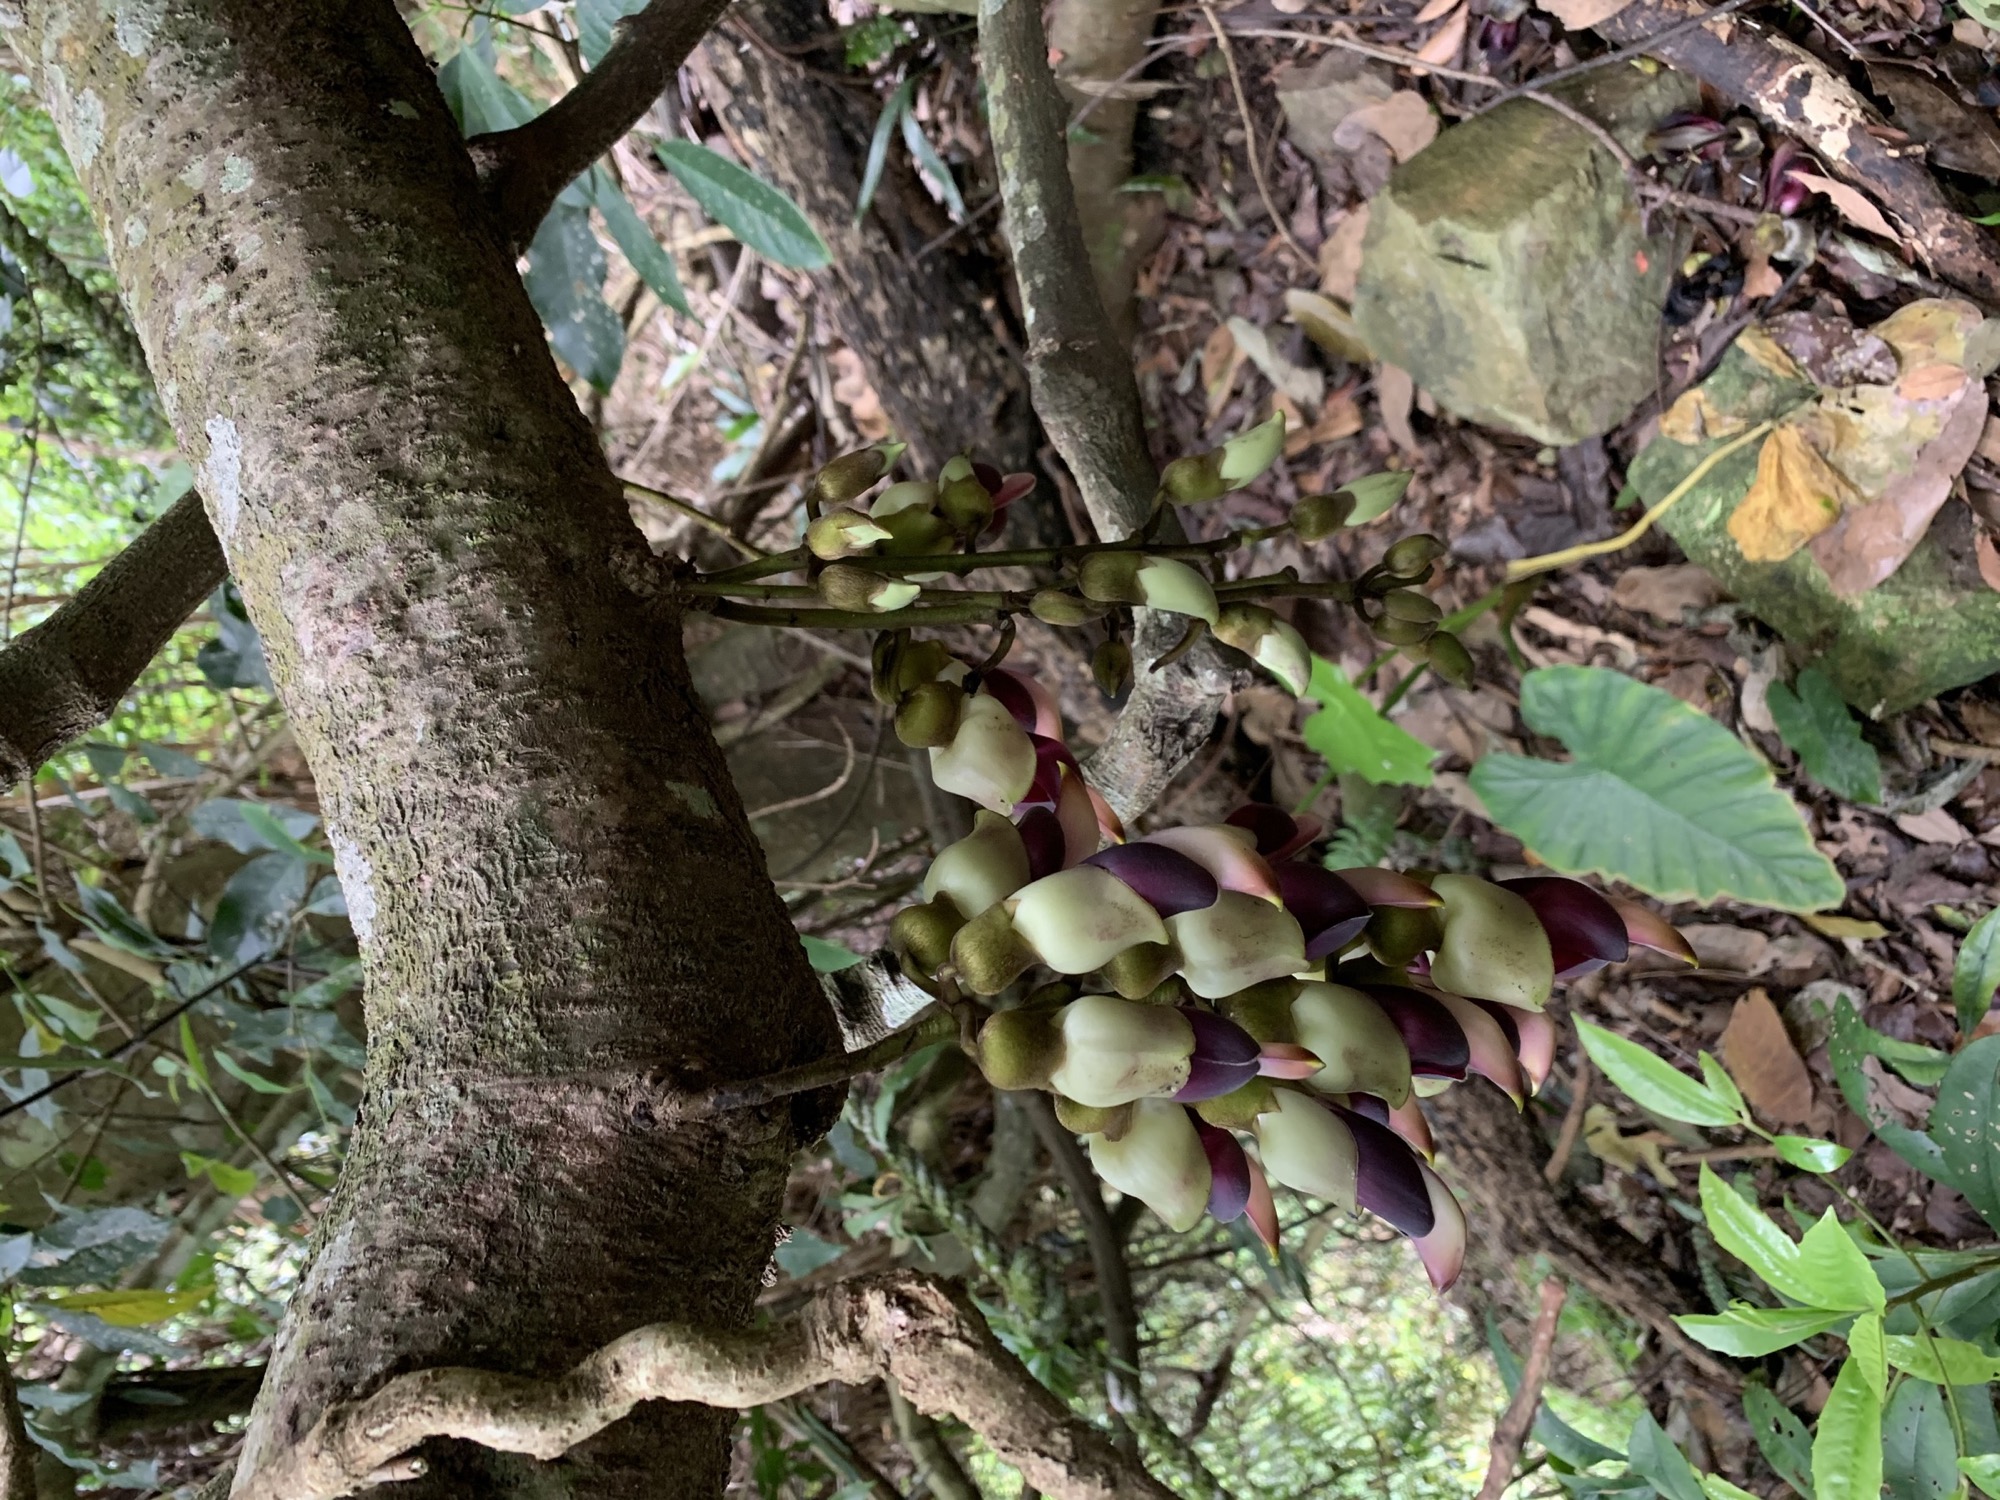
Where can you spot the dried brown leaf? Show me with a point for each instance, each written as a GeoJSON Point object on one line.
{"type": "Point", "coordinates": [1796, 495]}
{"type": "Point", "coordinates": [1987, 554]}
{"type": "Point", "coordinates": [1327, 324]}
{"type": "Point", "coordinates": [1853, 205]}
{"type": "Point", "coordinates": [1935, 826]}
{"type": "Point", "coordinates": [1666, 593]}
{"type": "Point", "coordinates": [1397, 393]}
{"type": "Point", "coordinates": [1433, 9]}
{"type": "Point", "coordinates": [1340, 256]}
{"type": "Point", "coordinates": [1304, 388]}
{"type": "Point", "coordinates": [1404, 121]}
{"type": "Point", "coordinates": [1580, 15]}
{"type": "Point", "coordinates": [1444, 46]}
{"type": "Point", "coordinates": [1758, 1052]}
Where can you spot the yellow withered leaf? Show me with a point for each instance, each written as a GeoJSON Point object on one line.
{"type": "Point", "coordinates": [1694, 418]}
{"type": "Point", "coordinates": [1797, 494]}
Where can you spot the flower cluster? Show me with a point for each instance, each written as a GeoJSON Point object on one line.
{"type": "Point", "coordinates": [1213, 983]}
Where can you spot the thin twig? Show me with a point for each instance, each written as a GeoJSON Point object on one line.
{"type": "Point", "coordinates": [830, 789]}
{"type": "Point", "coordinates": [1514, 1426]}
{"type": "Point", "coordinates": [929, 1026]}
{"type": "Point", "coordinates": [1572, 1125]}
{"type": "Point", "coordinates": [1250, 133]}
{"type": "Point", "coordinates": [695, 514]}
{"type": "Point", "coordinates": [1628, 53]}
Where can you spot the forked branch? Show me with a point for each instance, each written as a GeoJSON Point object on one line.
{"type": "Point", "coordinates": [523, 169]}
{"type": "Point", "coordinates": [911, 1330]}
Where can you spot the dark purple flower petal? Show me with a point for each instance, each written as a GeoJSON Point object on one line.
{"type": "Point", "coordinates": [1329, 912]}
{"type": "Point", "coordinates": [1210, 1079]}
{"type": "Point", "coordinates": [1012, 487]}
{"type": "Point", "coordinates": [1013, 695]}
{"type": "Point", "coordinates": [1389, 1182]}
{"type": "Point", "coordinates": [1585, 930]}
{"type": "Point", "coordinates": [1051, 756]}
{"type": "Point", "coordinates": [1228, 1172]}
{"type": "Point", "coordinates": [1165, 879]}
{"type": "Point", "coordinates": [986, 474]}
{"type": "Point", "coordinates": [1279, 835]}
{"type": "Point", "coordinates": [1221, 1039]}
{"type": "Point", "coordinates": [1505, 1016]}
{"type": "Point", "coordinates": [1367, 1104]}
{"type": "Point", "coordinates": [1437, 1043]}
{"type": "Point", "coordinates": [1389, 888]}
{"type": "Point", "coordinates": [1042, 831]}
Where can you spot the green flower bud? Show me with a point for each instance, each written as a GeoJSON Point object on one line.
{"type": "Point", "coordinates": [929, 714]}
{"type": "Point", "coordinates": [850, 475]}
{"type": "Point", "coordinates": [990, 761]}
{"type": "Point", "coordinates": [919, 662]}
{"type": "Point", "coordinates": [1240, 940]}
{"type": "Point", "coordinates": [1160, 1161]}
{"type": "Point", "coordinates": [1374, 494]}
{"type": "Point", "coordinates": [1141, 969]}
{"type": "Point", "coordinates": [1408, 604]}
{"type": "Point", "coordinates": [1239, 1108]}
{"type": "Point", "coordinates": [958, 466]}
{"type": "Point", "coordinates": [910, 494]}
{"type": "Point", "coordinates": [1111, 667]}
{"type": "Point", "coordinates": [842, 533]}
{"type": "Point", "coordinates": [1309, 1149]}
{"type": "Point", "coordinates": [1087, 1119]}
{"type": "Point", "coordinates": [1359, 1048]}
{"type": "Point", "coordinates": [989, 864]}
{"type": "Point", "coordinates": [1269, 641]}
{"type": "Point", "coordinates": [1317, 517]}
{"type": "Point", "coordinates": [988, 953]}
{"type": "Point", "coordinates": [1019, 1049]}
{"type": "Point", "coordinates": [1410, 556]}
{"type": "Point", "coordinates": [1493, 946]}
{"type": "Point", "coordinates": [1401, 632]}
{"type": "Point", "coordinates": [1264, 1010]}
{"type": "Point", "coordinates": [1157, 582]}
{"type": "Point", "coordinates": [884, 656]}
{"type": "Point", "coordinates": [1250, 453]}
{"type": "Point", "coordinates": [1115, 1051]}
{"type": "Point", "coordinates": [846, 587]}
{"type": "Point", "coordinates": [1449, 659]}
{"type": "Point", "coordinates": [920, 936]}
{"type": "Point", "coordinates": [1079, 919]}
{"type": "Point", "coordinates": [1194, 479]}
{"type": "Point", "coordinates": [1397, 934]}
{"type": "Point", "coordinates": [1111, 577]}
{"type": "Point", "coordinates": [914, 533]}
{"type": "Point", "coordinates": [966, 505]}
{"type": "Point", "coordinates": [1055, 607]}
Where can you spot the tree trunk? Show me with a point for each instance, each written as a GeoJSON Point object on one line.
{"type": "Point", "coordinates": [544, 860]}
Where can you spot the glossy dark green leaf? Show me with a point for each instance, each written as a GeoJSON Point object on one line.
{"type": "Point", "coordinates": [636, 241]}
{"type": "Point", "coordinates": [1976, 975]}
{"type": "Point", "coordinates": [1781, 1437]}
{"type": "Point", "coordinates": [1652, 1454]}
{"type": "Point", "coordinates": [597, 23]}
{"type": "Point", "coordinates": [1848, 1042]}
{"type": "Point", "coordinates": [235, 658]}
{"type": "Point", "coordinates": [878, 146]}
{"type": "Point", "coordinates": [565, 281]}
{"type": "Point", "coordinates": [480, 100]}
{"type": "Point", "coordinates": [828, 958]}
{"type": "Point", "coordinates": [255, 911]}
{"type": "Point", "coordinates": [1965, 1123]}
{"type": "Point", "coordinates": [1749, 1332]}
{"type": "Point", "coordinates": [758, 214]}
{"type": "Point", "coordinates": [932, 165]}
{"type": "Point", "coordinates": [1815, 722]}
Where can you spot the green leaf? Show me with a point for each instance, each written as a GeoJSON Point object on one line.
{"type": "Point", "coordinates": [1350, 734]}
{"type": "Point", "coordinates": [1868, 1353]}
{"type": "Point", "coordinates": [273, 834]}
{"type": "Point", "coordinates": [1657, 795]}
{"type": "Point", "coordinates": [636, 242]}
{"type": "Point", "coordinates": [1940, 1360]}
{"type": "Point", "coordinates": [932, 165]}
{"type": "Point", "coordinates": [565, 281]}
{"type": "Point", "coordinates": [878, 146]}
{"type": "Point", "coordinates": [1814, 721]}
{"type": "Point", "coordinates": [233, 1182]}
{"type": "Point", "coordinates": [1781, 1437]}
{"type": "Point", "coordinates": [480, 100]}
{"type": "Point", "coordinates": [1722, 1085]}
{"type": "Point", "coordinates": [132, 1308]}
{"type": "Point", "coordinates": [253, 918]}
{"type": "Point", "coordinates": [228, 820]}
{"type": "Point", "coordinates": [1847, 1448]}
{"type": "Point", "coordinates": [1652, 1082]}
{"type": "Point", "coordinates": [1846, 1045]}
{"type": "Point", "coordinates": [1717, 1488]}
{"type": "Point", "coordinates": [1976, 975]}
{"type": "Point", "coordinates": [1983, 1469]}
{"type": "Point", "coordinates": [1965, 1123]}
{"type": "Point", "coordinates": [1747, 1233]}
{"type": "Point", "coordinates": [1839, 1274]}
{"type": "Point", "coordinates": [1749, 1332]}
{"type": "Point", "coordinates": [596, 22]}
{"type": "Point", "coordinates": [827, 958]}
{"type": "Point", "coordinates": [1919, 1453]}
{"type": "Point", "coordinates": [1809, 1154]}
{"type": "Point", "coordinates": [1550, 1430]}
{"type": "Point", "coordinates": [751, 209]}
{"type": "Point", "coordinates": [242, 1074]}
{"type": "Point", "coordinates": [1652, 1454]}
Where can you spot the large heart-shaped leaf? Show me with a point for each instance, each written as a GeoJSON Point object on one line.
{"type": "Point", "coordinates": [1350, 734]}
{"type": "Point", "coordinates": [750, 208]}
{"type": "Point", "coordinates": [1658, 795]}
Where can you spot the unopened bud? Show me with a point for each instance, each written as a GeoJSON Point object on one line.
{"type": "Point", "coordinates": [910, 494]}
{"type": "Point", "coordinates": [852, 474]}
{"type": "Point", "coordinates": [1318, 517]}
{"type": "Point", "coordinates": [1250, 453]}
{"type": "Point", "coordinates": [1449, 659]}
{"type": "Point", "coordinates": [1140, 970]}
{"type": "Point", "coordinates": [1399, 632]}
{"type": "Point", "coordinates": [1157, 582]}
{"type": "Point", "coordinates": [929, 714]}
{"type": "Point", "coordinates": [966, 505]}
{"type": "Point", "coordinates": [1397, 934]}
{"type": "Point", "coordinates": [1019, 1049]}
{"type": "Point", "coordinates": [1264, 1010]}
{"type": "Point", "coordinates": [989, 954]}
{"type": "Point", "coordinates": [1239, 1108]}
{"type": "Point", "coordinates": [1111, 668]}
{"type": "Point", "coordinates": [921, 935]}
{"type": "Point", "coordinates": [1413, 554]}
{"type": "Point", "coordinates": [1374, 494]}
{"type": "Point", "coordinates": [1089, 1119]}
{"type": "Point", "coordinates": [1194, 479]}
{"type": "Point", "coordinates": [884, 655]}
{"type": "Point", "coordinates": [852, 588]}
{"type": "Point", "coordinates": [914, 533]}
{"type": "Point", "coordinates": [1408, 604]}
{"type": "Point", "coordinates": [1493, 946]}
{"type": "Point", "coordinates": [1055, 607]}
{"type": "Point", "coordinates": [920, 662]}
{"type": "Point", "coordinates": [842, 533]}
{"type": "Point", "coordinates": [1269, 641]}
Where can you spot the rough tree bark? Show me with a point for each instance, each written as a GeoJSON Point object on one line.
{"type": "Point", "coordinates": [543, 856]}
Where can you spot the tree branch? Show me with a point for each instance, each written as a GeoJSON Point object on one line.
{"type": "Point", "coordinates": [1519, 1418]}
{"type": "Point", "coordinates": [523, 169]}
{"type": "Point", "coordinates": [17, 1450]}
{"type": "Point", "coordinates": [1081, 376]}
{"type": "Point", "coordinates": [66, 676]}
{"type": "Point", "coordinates": [46, 271]}
{"type": "Point", "coordinates": [921, 1335]}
